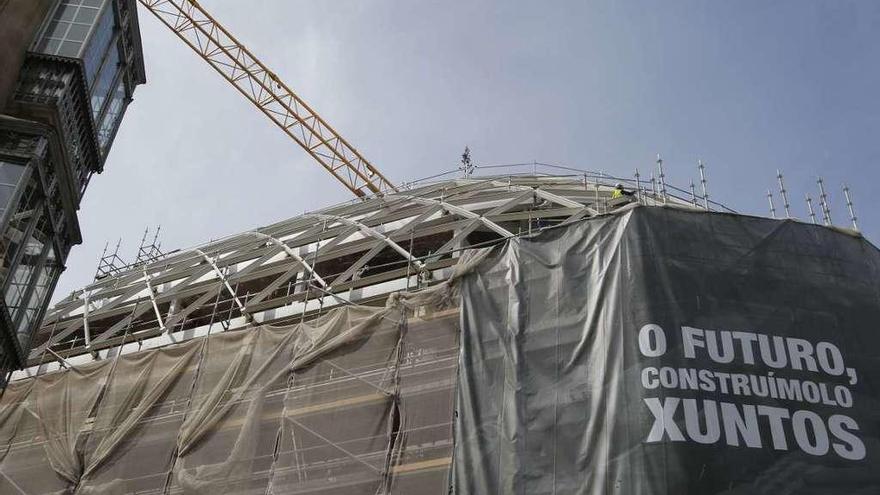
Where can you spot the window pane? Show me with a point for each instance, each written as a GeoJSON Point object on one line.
{"type": "Point", "coordinates": [12, 237]}
{"type": "Point", "coordinates": [78, 32]}
{"type": "Point", "coordinates": [10, 173]}
{"type": "Point", "coordinates": [46, 277]}
{"type": "Point", "coordinates": [112, 116]}
{"type": "Point", "coordinates": [86, 15]}
{"type": "Point", "coordinates": [5, 196]}
{"type": "Point", "coordinates": [69, 48]}
{"type": "Point", "coordinates": [71, 24]}
{"type": "Point", "coordinates": [18, 286]}
{"type": "Point", "coordinates": [57, 29]}
{"type": "Point", "coordinates": [99, 42]}
{"type": "Point", "coordinates": [24, 324]}
{"type": "Point", "coordinates": [48, 45]}
{"type": "Point", "coordinates": [104, 83]}
{"type": "Point", "coordinates": [66, 12]}
{"type": "Point", "coordinates": [27, 271]}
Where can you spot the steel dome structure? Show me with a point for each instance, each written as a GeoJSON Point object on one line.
{"type": "Point", "coordinates": [355, 252]}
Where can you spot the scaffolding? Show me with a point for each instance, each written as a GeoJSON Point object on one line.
{"type": "Point", "coordinates": [293, 270]}
{"type": "Point", "coordinates": [364, 404]}
{"type": "Point", "coordinates": [358, 251]}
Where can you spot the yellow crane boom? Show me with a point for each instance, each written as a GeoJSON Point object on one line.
{"type": "Point", "coordinates": [216, 46]}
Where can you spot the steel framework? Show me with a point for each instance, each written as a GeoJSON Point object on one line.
{"type": "Point", "coordinates": [216, 46]}
{"type": "Point", "coordinates": [353, 253]}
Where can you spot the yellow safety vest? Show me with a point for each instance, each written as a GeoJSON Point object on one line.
{"type": "Point", "coordinates": [616, 193]}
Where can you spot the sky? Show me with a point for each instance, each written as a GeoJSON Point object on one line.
{"type": "Point", "coordinates": [749, 87]}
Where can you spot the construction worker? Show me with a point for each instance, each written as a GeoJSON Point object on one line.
{"type": "Point", "coordinates": [619, 191]}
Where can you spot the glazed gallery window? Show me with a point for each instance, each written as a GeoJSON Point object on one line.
{"type": "Point", "coordinates": [10, 175]}
{"type": "Point", "coordinates": [72, 24]}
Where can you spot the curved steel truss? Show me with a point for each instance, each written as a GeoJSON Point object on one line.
{"type": "Point", "coordinates": [355, 252]}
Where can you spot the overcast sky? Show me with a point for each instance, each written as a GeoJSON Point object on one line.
{"type": "Point", "coordinates": [747, 86]}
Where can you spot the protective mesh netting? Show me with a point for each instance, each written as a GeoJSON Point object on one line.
{"type": "Point", "coordinates": [357, 401]}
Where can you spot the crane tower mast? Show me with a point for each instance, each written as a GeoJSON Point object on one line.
{"type": "Point", "coordinates": [216, 46]}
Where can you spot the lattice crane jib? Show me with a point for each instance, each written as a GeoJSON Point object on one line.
{"type": "Point", "coordinates": [216, 46]}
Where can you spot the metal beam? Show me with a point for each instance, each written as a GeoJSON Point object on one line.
{"type": "Point", "coordinates": [222, 277]}
{"type": "Point", "coordinates": [284, 277]}
{"type": "Point", "coordinates": [379, 245]}
{"type": "Point", "coordinates": [290, 252]}
{"type": "Point", "coordinates": [196, 304]}
{"type": "Point", "coordinates": [460, 212]}
{"type": "Point", "coordinates": [473, 224]}
{"type": "Point", "coordinates": [372, 233]}
{"type": "Point", "coordinates": [153, 301]}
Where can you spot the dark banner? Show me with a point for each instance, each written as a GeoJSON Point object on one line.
{"type": "Point", "coordinates": [670, 352]}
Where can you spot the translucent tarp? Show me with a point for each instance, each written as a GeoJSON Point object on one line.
{"type": "Point", "coordinates": [357, 401]}
{"type": "Point", "coordinates": [669, 352]}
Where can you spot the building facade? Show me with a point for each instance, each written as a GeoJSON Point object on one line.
{"type": "Point", "coordinates": [69, 70]}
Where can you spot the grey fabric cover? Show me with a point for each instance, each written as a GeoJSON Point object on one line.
{"type": "Point", "coordinates": [556, 396]}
